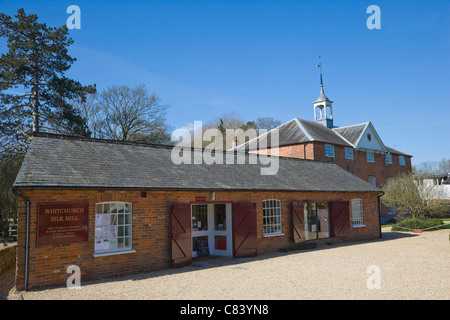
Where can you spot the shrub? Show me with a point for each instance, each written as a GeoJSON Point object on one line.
{"type": "Point", "coordinates": [417, 224]}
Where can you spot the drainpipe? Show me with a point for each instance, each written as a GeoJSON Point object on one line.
{"type": "Point", "coordinates": [27, 243]}
{"type": "Point", "coordinates": [379, 209]}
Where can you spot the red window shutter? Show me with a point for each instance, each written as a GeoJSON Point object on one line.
{"type": "Point", "coordinates": [340, 218]}
{"type": "Point", "coordinates": [181, 235]}
{"type": "Point", "coordinates": [244, 230]}
{"type": "Point", "coordinates": [298, 223]}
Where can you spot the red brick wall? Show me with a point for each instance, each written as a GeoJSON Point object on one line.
{"type": "Point", "coordinates": [151, 231]}
{"type": "Point", "coordinates": [301, 151]}
{"type": "Point", "coordinates": [358, 166]}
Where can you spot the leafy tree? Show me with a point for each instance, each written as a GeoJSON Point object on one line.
{"type": "Point", "coordinates": [35, 93]}
{"type": "Point", "coordinates": [9, 167]}
{"type": "Point", "coordinates": [414, 198]}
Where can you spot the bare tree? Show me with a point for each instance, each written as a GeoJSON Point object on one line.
{"type": "Point", "coordinates": [132, 115]}
{"type": "Point", "coordinates": [239, 130]}
{"type": "Point", "coordinates": [267, 123]}
{"type": "Point", "coordinates": [90, 110]}
{"type": "Point", "coordinates": [433, 167]}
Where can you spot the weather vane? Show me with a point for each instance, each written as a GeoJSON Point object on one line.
{"type": "Point", "coordinates": [320, 66]}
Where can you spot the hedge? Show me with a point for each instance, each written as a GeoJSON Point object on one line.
{"type": "Point", "coordinates": [7, 258]}
{"type": "Point", "coordinates": [415, 224]}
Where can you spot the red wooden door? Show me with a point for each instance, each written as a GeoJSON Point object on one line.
{"type": "Point", "coordinates": [298, 223]}
{"type": "Point", "coordinates": [244, 230]}
{"type": "Point", "coordinates": [340, 219]}
{"type": "Point", "coordinates": [181, 235]}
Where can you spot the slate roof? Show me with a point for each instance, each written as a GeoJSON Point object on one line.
{"type": "Point", "coordinates": [298, 131]}
{"type": "Point", "coordinates": [392, 150]}
{"type": "Point", "coordinates": [67, 162]}
{"type": "Point", "coordinates": [352, 133]}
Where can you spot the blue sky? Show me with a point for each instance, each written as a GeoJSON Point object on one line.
{"type": "Point", "coordinates": [258, 58]}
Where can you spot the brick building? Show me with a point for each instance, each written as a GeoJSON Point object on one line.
{"type": "Point", "coordinates": [115, 208]}
{"type": "Point", "coordinates": [356, 148]}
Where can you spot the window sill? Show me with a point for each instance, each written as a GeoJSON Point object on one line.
{"type": "Point", "coordinates": [112, 253]}
{"type": "Point", "coordinates": [273, 235]}
{"type": "Point", "coordinates": [358, 225]}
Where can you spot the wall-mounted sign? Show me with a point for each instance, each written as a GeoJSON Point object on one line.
{"type": "Point", "coordinates": [62, 222]}
{"type": "Point", "coordinates": [200, 199]}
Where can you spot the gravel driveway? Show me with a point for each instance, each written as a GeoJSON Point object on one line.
{"type": "Point", "coordinates": [411, 266]}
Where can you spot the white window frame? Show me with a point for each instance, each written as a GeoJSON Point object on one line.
{"type": "Point", "coordinates": [113, 228]}
{"type": "Point", "coordinates": [357, 213]}
{"type": "Point", "coordinates": [401, 160]}
{"type": "Point", "coordinates": [272, 218]}
{"type": "Point", "coordinates": [329, 152]}
{"type": "Point", "coordinates": [388, 158]}
{"type": "Point", "coordinates": [371, 158]}
{"type": "Point", "coordinates": [348, 157]}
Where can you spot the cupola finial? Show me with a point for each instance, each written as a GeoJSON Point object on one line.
{"type": "Point", "coordinates": [323, 112]}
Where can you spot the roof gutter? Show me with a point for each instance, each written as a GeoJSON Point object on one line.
{"type": "Point", "coordinates": [27, 243]}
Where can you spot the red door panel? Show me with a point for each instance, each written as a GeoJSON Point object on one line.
{"type": "Point", "coordinates": [244, 230]}
{"type": "Point", "coordinates": [181, 235]}
{"type": "Point", "coordinates": [298, 223]}
{"type": "Point", "coordinates": [340, 218]}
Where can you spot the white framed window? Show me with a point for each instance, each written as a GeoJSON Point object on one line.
{"type": "Point", "coordinates": [388, 158]}
{"type": "Point", "coordinates": [272, 217]}
{"type": "Point", "coordinates": [349, 153]}
{"type": "Point", "coordinates": [357, 213]}
{"type": "Point", "coordinates": [329, 151]}
{"type": "Point", "coordinates": [401, 160]}
{"type": "Point", "coordinates": [113, 228]}
{"type": "Point", "coordinates": [370, 156]}
{"type": "Point", "coordinates": [372, 180]}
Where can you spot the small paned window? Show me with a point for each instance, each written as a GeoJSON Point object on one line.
{"type": "Point", "coordinates": [349, 153]}
{"type": "Point", "coordinates": [388, 158]}
{"type": "Point", "coordinates": [372, 180]}
{"type": "Point", "coordinates": [200, 217]}
{"type": "Point", "coordinates": [112, 226]}
{"type": "Point", "coordinates": [401, 160]}
{"type": "Point", "coordinates": [370, 156]}
{"type": "Point", "coordinates": [357, 212]}
{"type": "Point", "coordinates": [329, 151]}
{"type": "Point", "coordinates": [272, 217]}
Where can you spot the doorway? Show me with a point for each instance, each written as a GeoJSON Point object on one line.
{"type": "Point", "coordinates": [317, 221]}
{"type": "Point", "coordinates": [211, 229]}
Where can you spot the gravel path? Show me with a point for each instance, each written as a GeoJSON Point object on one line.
{"type": "Point", "coordinates": [412, 266]}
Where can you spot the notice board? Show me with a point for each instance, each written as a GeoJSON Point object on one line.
{"type": "Point", "coordinates": [62, 222]}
